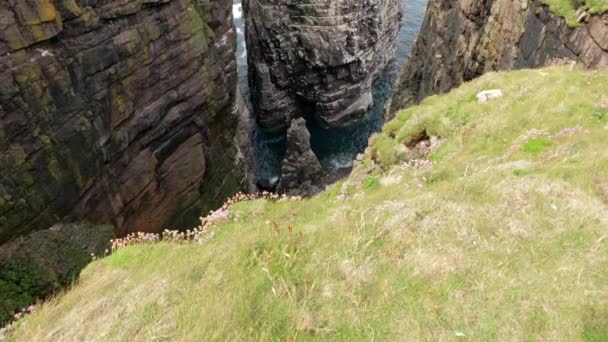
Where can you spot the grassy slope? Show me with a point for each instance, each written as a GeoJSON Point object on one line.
{"type": "Point", "coordinates": [504, 237]}
{"type": "Point", "coordinates": [566, 9]}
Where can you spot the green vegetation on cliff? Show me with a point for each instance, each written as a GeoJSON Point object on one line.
{"type": "Point", "coordinates": [43, 262]}
{"type": "Point", "coordinates": [488, 221]}
{"type": "Point", "coordinates": [567, 8]}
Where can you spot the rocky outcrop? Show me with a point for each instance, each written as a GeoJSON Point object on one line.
{"type": "Point", "coordinates": [317, 58]}
{"type": "Point", "coordinates": [301, 171]}
{"type": "Point", "coordinates": [119, 112]}
{"type": "Point", "coordinates": [461, 40]}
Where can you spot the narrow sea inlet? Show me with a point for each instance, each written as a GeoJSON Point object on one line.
{"type": "Point", "coordinates": [336, 148]}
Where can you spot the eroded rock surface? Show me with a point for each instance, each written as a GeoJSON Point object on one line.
{"type": "Point", "coordinates": [301, 172]}
{"type": "Point", "coordinates": [119, 112]}
{"type": "Point", "coordinates": [461, 40]}
{"type": "Point", "coordinates": [317, 58]}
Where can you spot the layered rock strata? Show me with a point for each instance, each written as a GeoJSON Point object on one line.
{"type": "Point", "coordinates": [317, 58]}
{"type": "Point", "coordinates": [120, 112]}
{"type": "Point", "coordinates": [461, 40]}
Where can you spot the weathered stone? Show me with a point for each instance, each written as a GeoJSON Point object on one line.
{"type": "Point", "coordinates": [317, 58]}
{"type": "Point", "coordinates": [301, 171]}
{"type": "Point", "coordinates": [487, 95]}
{"type": "Point", "coordinates": [474, 37]}
{"type": "Point", "coordinates": [119, 112]}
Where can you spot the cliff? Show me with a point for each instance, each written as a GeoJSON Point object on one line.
{"type": "Point", "coordinates": [317, 58]}
{"type": "Point", "coordinates": [461, 40]}
{"type": "Point", "coordinates": [119, 112]}
{"type": "Point", "coordinates": [463, 221]}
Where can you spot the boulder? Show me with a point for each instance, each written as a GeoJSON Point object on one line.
{"type": "Point", "coordinates": [487, 95]}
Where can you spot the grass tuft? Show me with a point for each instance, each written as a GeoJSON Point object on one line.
{"type": "Point", "coordinates": [537, 145]}
{"type": "Point", "coordinates": [568, 8]}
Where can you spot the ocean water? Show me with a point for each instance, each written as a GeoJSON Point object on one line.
{"type": "Point", "coordinates": [336, 148]}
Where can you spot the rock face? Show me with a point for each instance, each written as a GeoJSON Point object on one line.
{"type": "Point", "coordinates": [317, 58]}
{"type": "Point", "coordinates": [461, 40]}
{"type": "Point", "coordinates": [301, 171]}
{"type": "Point", "coordinates": [119, 112]}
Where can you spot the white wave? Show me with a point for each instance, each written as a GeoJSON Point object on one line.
{"type": "Point", "coordinates": [338, 161]}
{"type": "Point", "coordinates": [237, 11]}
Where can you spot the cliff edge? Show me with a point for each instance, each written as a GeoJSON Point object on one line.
{"type": "Point", "coordinates": [461, 40]}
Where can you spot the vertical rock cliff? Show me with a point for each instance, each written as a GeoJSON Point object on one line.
{"type": "Point", "coordinates": [317, 58]}
{"type": "Point", "coordinates": [119, 112]}
{"type": "Point", "coordinates": [461, 40]}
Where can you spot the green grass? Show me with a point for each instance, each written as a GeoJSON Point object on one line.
{"type": "Point", "coordinates": [566, 8]}
{"type": "Point", "coordinates": [536, 145]}
{"type": "Point", "coordinates": [503, 237]}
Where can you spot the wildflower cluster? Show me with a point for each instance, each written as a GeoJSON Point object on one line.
{"type": "Point", "coordinates": [571, 131]}
{"type": "Point", "coordinates": [561, 61]}
{"type": "Point", "coordinates": [420, 163]}
{"type": "Point", "coordinates": [201, 233]}
{"type": "Point", "coordinates": [133, 239]}
{"type": "Point", "coordinates": [25, 311]}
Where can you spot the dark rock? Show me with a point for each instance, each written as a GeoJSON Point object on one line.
{"type": "Point", "coordinates": [118, 112]}
{"type": "Point", "coordinates": [301, 172]}
{"type": "Point", "coordinates": [474, 37]}
{"type": "Point", "coordinates": [317, 58]}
